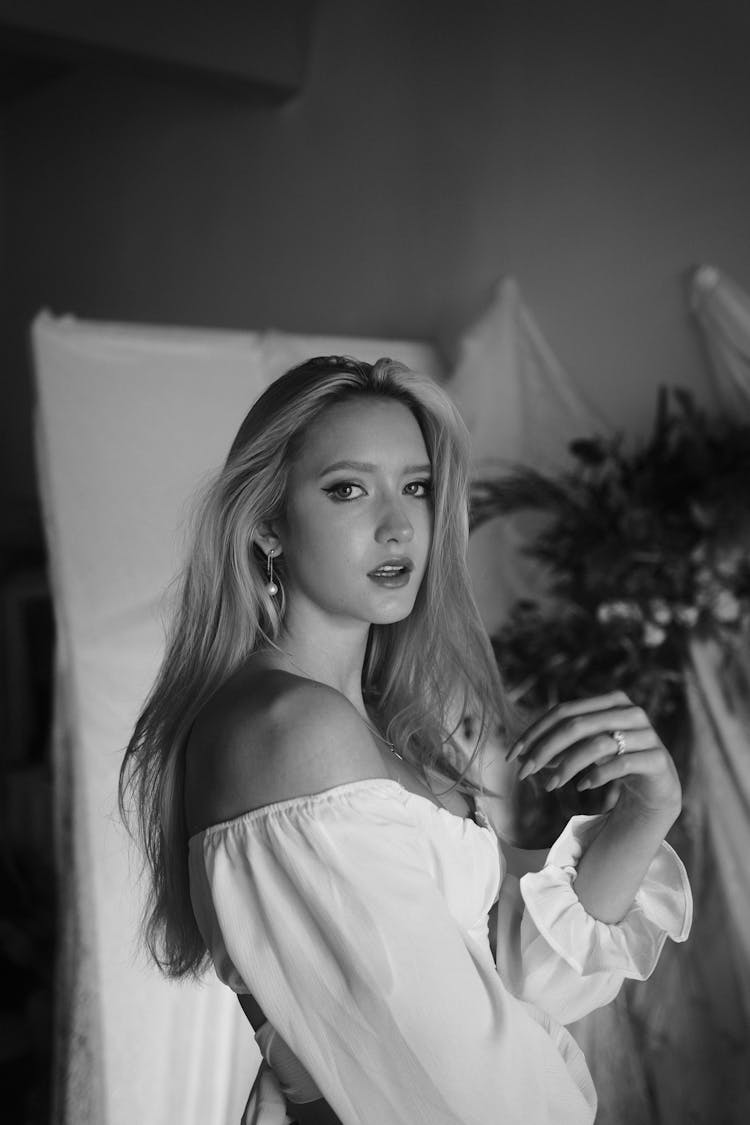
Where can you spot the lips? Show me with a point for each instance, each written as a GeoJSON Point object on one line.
{"type": "Point", "coordinates": [392, 568]}
{"type": "Point", "coordinates": [392, 574]}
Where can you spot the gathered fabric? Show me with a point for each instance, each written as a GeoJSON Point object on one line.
{"type": "Point", "coordinates": [358, 919]}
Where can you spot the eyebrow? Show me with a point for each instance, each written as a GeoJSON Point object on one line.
{"type": "Point", "coordinates": [367, 467]}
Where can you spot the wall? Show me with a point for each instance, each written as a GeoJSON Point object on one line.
{"type": "Point", "coordinates": [595, 155]}
{"type": "Point", "coordinates": [3, 248]}
{"type": "Point", "coordinates": [13, 492]}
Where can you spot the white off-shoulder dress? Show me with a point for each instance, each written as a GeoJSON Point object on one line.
{"type": "Point", "coordinates": [358, 919]}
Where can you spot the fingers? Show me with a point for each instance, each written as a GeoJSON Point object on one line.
{"type": "Point", "coordinates": [573, 743]}
{"type": "Point", "coordinates": [641, 762]}
{"type": "Point", "coordinates": [591, 751]}
{"type": "Point", "coordinates": [567, 711]}
{"type": "Point", "coordinates": [560, 734]}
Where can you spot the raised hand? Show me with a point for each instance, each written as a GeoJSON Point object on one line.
{"type": "Point", "coordinates": [599, 740]}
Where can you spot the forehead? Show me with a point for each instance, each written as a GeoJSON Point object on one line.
{"type": "Point", "coordinates": [382, 431]}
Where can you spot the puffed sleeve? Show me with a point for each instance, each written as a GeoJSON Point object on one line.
{"type": "Point", "coordinates": [553, 954]}
{"type": "Point", "coordinates": [327, 909]}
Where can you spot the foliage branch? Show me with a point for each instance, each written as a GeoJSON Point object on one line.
{"type": "Point", "coordinates": [641, 550]}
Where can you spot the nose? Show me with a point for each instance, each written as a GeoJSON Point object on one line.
{"type": "Point", "coordinates": [394, 526]}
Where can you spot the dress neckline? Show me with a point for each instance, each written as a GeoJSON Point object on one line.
{"type": "Point", "coordinates": [479, 820]}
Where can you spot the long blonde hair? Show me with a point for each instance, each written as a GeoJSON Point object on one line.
{"type": "Point", "coordinates": [420, 674]}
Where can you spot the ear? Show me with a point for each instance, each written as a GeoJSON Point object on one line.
{"type": "Point", "coordinates": [267, 539]}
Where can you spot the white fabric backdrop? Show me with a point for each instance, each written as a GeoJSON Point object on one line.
{"type": "Point", "coordinates": [720, 685]}
{"type": "Point", "coordinates": [129, 421]}
{"type": "Point", "coordinates": [722, 310]}
{"type": "Point", "coordinates": [520, 405]}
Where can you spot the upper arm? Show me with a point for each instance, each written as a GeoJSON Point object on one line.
{"type": "Point", "coordinates": [300, 738]}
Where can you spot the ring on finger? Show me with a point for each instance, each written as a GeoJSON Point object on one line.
{"type": "Point", "coordinates": [618, 738]}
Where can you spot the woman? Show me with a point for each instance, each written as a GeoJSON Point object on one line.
{"type": "Point", "coordinates": [308, 822]}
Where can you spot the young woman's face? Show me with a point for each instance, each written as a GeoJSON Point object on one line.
{"type": "Point", "coordinates": [359, 498]}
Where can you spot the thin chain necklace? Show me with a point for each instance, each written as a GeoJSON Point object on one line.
{"type": "Point", "coordinates": [307, 675]}
{"type": "Point", "coordinates": [376, 732]}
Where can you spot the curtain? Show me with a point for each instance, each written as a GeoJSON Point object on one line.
{"type": "Point", "coordinates": [520, 405]}
{"type": "Point", "coordinates": [129, 422]}
{"type": "Point", "coordinates": [722, 312]}
{"type": "Point", "coordinates": [719, 679]}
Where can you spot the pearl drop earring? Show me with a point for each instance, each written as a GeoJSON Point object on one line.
{"type": "Point", "coordinates": [271, 586]}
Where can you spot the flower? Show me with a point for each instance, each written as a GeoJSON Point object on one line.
{"type": "Point", "coordinates": [618, 611]}
{"type": "Point", "coordinates": [686, 615]}
{"type": "Point", "coordinates": [653, 635]}
{"type": "Point", "coordinates": [660, 611]}
{"type": "Point", "coordinates": [730, 560]}
{"type": "Point", "coordinates": [725, 607]}
{"type": "Point", "coordinates": [704, 578]}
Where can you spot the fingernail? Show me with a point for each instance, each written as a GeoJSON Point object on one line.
{"type": "Point", "coordinates": [552, 782]}
{"type": "Point", "coordinates": [583, 784]}
{"type": "Point", "coordinates": [526, 769]}
{"type": "Point", "coordinates": [516, 749]}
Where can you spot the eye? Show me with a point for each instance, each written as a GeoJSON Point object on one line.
{"type": "Point", "coordinates": [343, 491]}
{"type": "Point", "coordinates": [423, 489]}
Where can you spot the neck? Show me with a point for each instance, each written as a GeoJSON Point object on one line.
{"type": "Point", "coordinates": [353, 694]}
{"type": "Point", "coordinates": [337, 661]}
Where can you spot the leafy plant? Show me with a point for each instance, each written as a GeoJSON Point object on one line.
{"type": "Point", "coordinates": [641, 549]}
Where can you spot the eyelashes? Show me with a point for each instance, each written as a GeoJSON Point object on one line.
{"type": "Point", "coordinates": [335, 490]}
{"type": "Point", "coordinates": [425, 485]}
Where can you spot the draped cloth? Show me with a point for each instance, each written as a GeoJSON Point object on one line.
{"type": "Point", "coordinates": [520, 405]}
{"type": "Point", "coordinates": [129, 422]}
{"type": "Point", "coordinates": [719, 681]}
{"type": "Point", "coordinates": [722, 311]}
{"type": "Point", "coordinates": [719, 699]}
{"type": "Point", "coordinates": [719, 677]}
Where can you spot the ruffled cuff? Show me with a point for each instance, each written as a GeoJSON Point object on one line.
{"type": "Point", "coordinates": [662, 908]}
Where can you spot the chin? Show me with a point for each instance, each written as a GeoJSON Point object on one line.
{"type": "Point", "coordinates": [389, 615]}
{"type": "Point", "coordinates": [384, 607]}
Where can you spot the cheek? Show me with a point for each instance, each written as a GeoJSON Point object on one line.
{"type": "Point", "coordinates": [317, 539]}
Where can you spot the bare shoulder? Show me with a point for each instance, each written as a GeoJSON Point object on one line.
{"type": "Point", "coordinates": [269, 737]}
